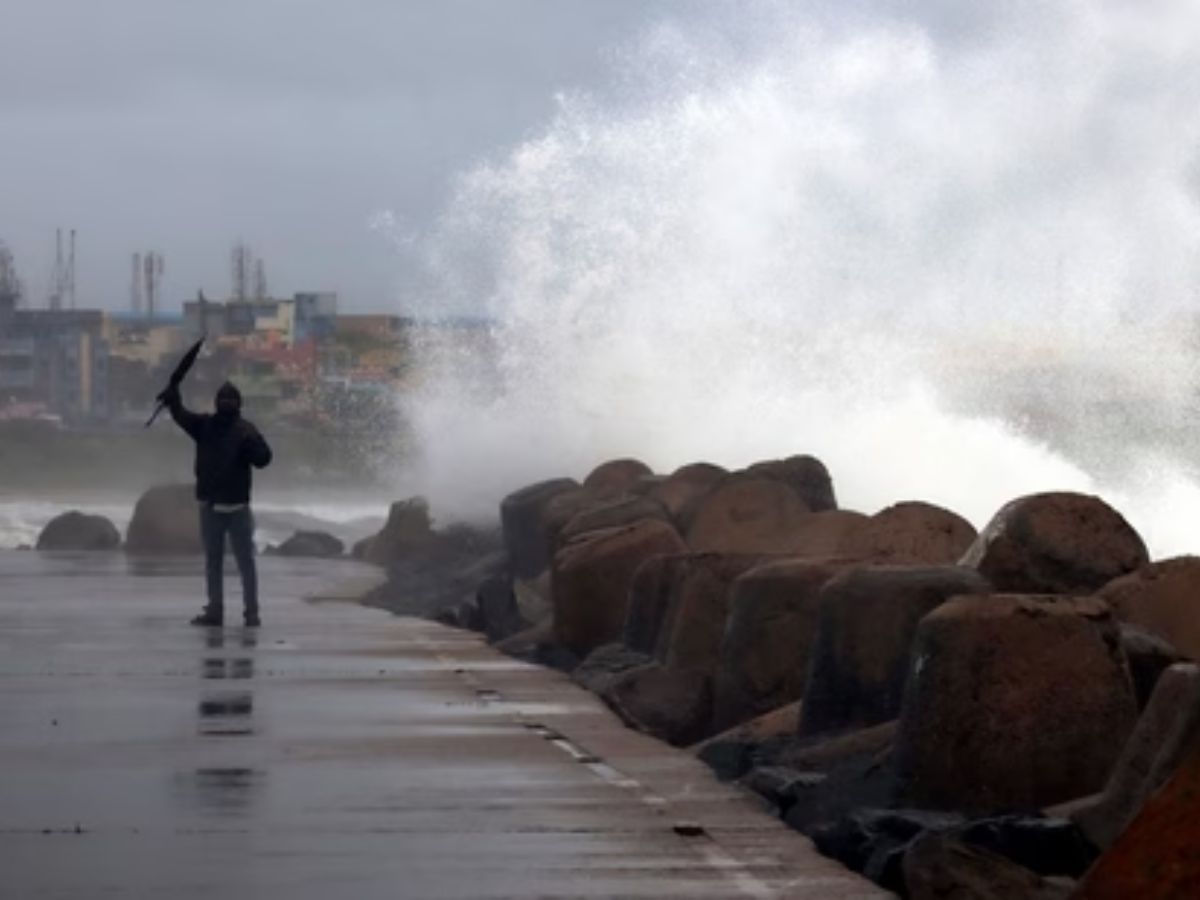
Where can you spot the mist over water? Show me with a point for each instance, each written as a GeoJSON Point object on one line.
{"type": "Point", "coordinates": [956, 258]}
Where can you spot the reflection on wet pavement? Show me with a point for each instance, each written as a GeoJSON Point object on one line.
{"type": "Point", "coordinates": [223, 791]}
{"type": "Point", "coordinates": [226, 789]}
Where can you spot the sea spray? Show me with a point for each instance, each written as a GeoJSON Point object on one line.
{"type": "Point", "coordinates": [871, 241]}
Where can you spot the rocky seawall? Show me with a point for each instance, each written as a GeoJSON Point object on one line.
{"type": "Point", "coordinates": [1009, 713]}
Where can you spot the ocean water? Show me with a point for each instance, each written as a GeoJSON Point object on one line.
{"type": "Point", "coordinates": [954, 252]}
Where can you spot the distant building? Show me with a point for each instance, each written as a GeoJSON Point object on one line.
{"type": "Point", "coordinates": [316, 315]}
{"type": "Point", "coordinates": [383, 327]}
{"type": "Point", "coordinates": [141, 340]}
{"type": "Point", "coordinates": [307, 316]}
{"type": "Point", "coordinates": [56, 358]}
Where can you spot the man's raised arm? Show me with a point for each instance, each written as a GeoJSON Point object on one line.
{"type": "Point", "coordinates": [186, 419]}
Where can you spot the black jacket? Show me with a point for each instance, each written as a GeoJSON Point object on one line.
{"type": "Point", "coordinates": [226, 448]}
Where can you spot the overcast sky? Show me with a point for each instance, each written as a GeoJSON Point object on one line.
{"type": "Point", "coordinates": [181, 126]}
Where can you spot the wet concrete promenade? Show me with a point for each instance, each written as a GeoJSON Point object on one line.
{"type": "Point", "coordinates": [338, 752]}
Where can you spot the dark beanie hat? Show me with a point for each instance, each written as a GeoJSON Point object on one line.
{"type": "Point", "coordinates": [229, 392]}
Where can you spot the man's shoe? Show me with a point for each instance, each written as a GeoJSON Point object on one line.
{"type": "Point", "coordinates": [253, 621]}
{"type": "Point", "coordinates": [207, 620]}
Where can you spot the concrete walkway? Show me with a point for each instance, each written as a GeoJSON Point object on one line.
{"type": "Point", "coordinates": [340, 753]}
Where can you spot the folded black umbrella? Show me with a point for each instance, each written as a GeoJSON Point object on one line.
{"type": "Point", "coordinates": [177, 376]}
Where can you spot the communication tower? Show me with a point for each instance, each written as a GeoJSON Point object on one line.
{"type": "Point", "coordinates": [152, 273]}
{"type": "Point", "coordinates": [135, 286]}
{"type": "Point", "coordinates": [62, 278]}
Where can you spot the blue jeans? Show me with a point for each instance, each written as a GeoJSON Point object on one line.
{"type": "Point", "coordinates": [239, 525]}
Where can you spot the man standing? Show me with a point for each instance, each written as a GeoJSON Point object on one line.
{"type": "Point", "coordinates": [226, 447]}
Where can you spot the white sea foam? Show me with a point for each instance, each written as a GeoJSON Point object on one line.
{"type": "Point", "coordinates": [878, 242]}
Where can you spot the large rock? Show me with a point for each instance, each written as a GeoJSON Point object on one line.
{"type": "Point", "coordinates": [1158, 856]}
{"type": "Point", "coordinates": [407, 533]}
{"type": "Point", "coordinates": [604, 665]}
{"type": "Point", "coordinates": [522, 516]}
{"type": "Point", "coordinates": [914, 533]}
{"type": "Point", "coordinates": [940, 866]}
{"type": "Point", "coordinates": [831, 533]}
{"type": "Point", "coordinates": [1164, 598]}
{"type": "Point", "coordinates": [867, 620]}
{"type": "Point", "coordinates": [616, 476]}
{"type": "Point", "coordinates": [680, 491]}
{"type": "Point", "coordinates": [311, 543]}
{"type": "Point", "coordinates": [166, 520]}
{"type": "Point", "coordinates": [858, 774]}
{"type": "Point", "coordinates": [79, 531]}
{"type": "Point", "coordinates": [1149, 655]}
{"type": "Point", "coordinates": [1044, 844]}
{"type": "Point", "coordinates": [673, 705]}
{"type": "Point", "coordinates": [499, 614]}
{"type": "Point", "coordinates": [748, 515]}
{"type": "Point", "coordinates": [1058, 543]}
{"type": "Point", "coordinates": [764, 651]}
{"type": "Point", "coordinates": [623, 509]}
{"type": "Point", "coordinates": [874, 841]}
{"type": "Point", "coordinates": [1013, 703]}
{"type": "Point", "coordinates": [677, 612]}
{"type": "Point", "coordinates": [1169, 726]}
{"type": "Point", "coordinates": [650, 594]}
{"type": "Point", "coordinates": [591, 579]}
{"type": "Point", "coordinates": [697, 609]}
{"type": "Point", "coordinates": [730, 754]}
{"type": "Point", "coordinates": [806, 475]}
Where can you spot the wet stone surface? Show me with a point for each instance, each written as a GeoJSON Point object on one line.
{"type": "Point", "coordinates": [338, 751]}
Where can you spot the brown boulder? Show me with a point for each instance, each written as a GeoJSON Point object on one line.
{"type": "Point", "coordinates": [1166, 730]}
{"type": "Point", "coordinates": [611, 512]}
{"type": "Point", "coordinates": [697, 607]}
{"type": "Point", "coordinates": [764, 650]}
{"type": "Point", "coordinates": [166, 520]}
{"type": "Point", "coordinates": [604, 665]}
{"type": "Point", "coordinates": [835, 752]}
{"type": "Point", "coordinates": [1058, 543]}
{"type": "Point", "coordinates": [938, 866]}
{"type": "Point", "coordinates": [649, 596]}
{"type": "Point", "coordinates": [1013, 702]}
{"type": "Point", "coordinates": [834, 532]}
{"type": "Point", "coordinates": [680, 491]}
{"type": "Point", "coordinates": [1164, 598]}
{"type": "Point", "coordinates": [1149, 655]}
{"type": "Point", "coordinates": [914, 533]}
{"type": "Point", "coordinates": [730, 754]}
{"type": "Point", "coordinates": [616, 476]}
{"type": "Point", "coordinates": [672, 705]}
{"type": "Point", "coordinates": [748, 515]}
{"type": "Point", "coordinates": [1158, 856]}
{"type": "Point", "coordinates": [665, 585]}
{"type": "Point", "coordinates": [527, 539]}
{"type": "Point", "coordinates": [591, 579]}
{"type": "Point", "coordinates": [806, 475]}
{"type": "Point", "coordinates": [865, 627]}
